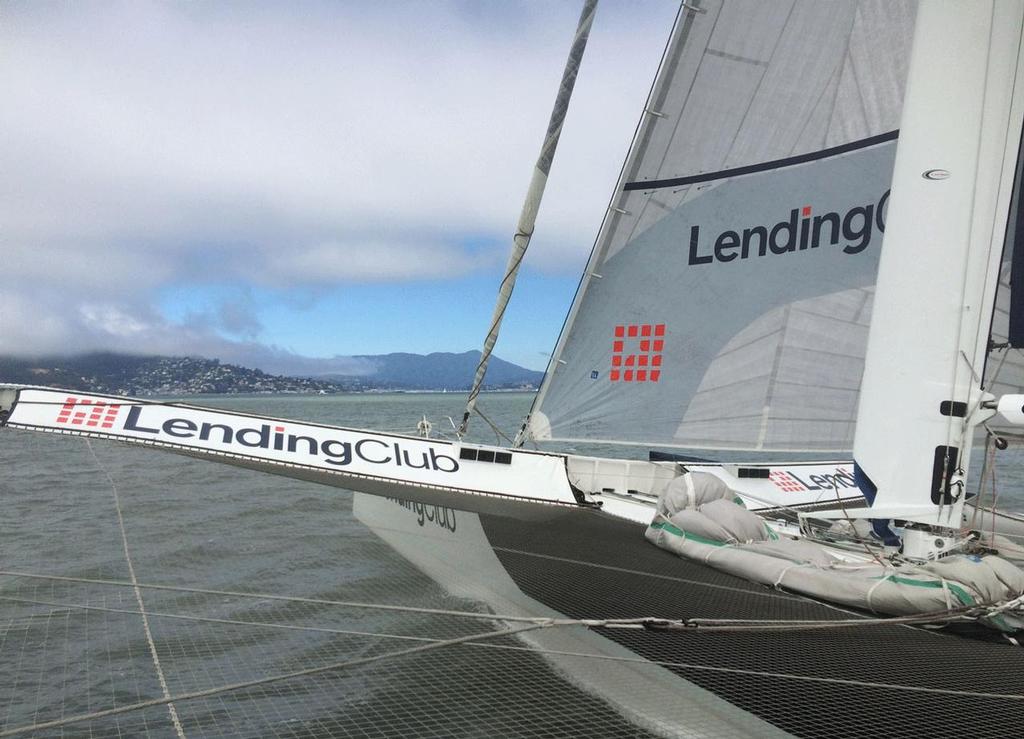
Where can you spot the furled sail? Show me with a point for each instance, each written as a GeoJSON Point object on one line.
{"type": "Point", "coordinates": [726, 301]}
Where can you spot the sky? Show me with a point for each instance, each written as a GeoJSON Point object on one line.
{"type": "Point", "coordinates": [288, 185]}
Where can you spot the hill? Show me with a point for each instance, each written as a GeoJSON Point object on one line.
{"type": "Point", "coordinates": [441, 370]}
{"type": "Point", "coordinates": [124, 374]}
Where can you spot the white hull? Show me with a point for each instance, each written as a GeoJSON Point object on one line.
{"type": "Point", "coordinates": [463, 562]}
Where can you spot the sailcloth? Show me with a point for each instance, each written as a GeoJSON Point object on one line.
{"type": "Point", "coordinates": [727, 299]}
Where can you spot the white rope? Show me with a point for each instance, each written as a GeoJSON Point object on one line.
{"type": "Point", "coordinates": [947, 593]}
{"type": "Point", "coordinates": [778, 580]}
{"type": "Point", "coordinates": [271, 596]}
{"type": "Point", "coordinates": [1009, 605]}
{"type": "Point", "coordinates": [138, 597]}
{"type": "Point", "coordinates": [873, 588]}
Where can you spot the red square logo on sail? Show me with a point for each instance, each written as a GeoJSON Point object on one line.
{"type": "Point", "coordinates": [88, 413]}
{"type": "Point", "coordinates": [633, 346]}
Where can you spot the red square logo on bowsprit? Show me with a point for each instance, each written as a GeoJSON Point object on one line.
{"type": "Point", "coordinates": [786, 482]}
{"type": "Point", "coordinates": [637, 345]}
{"type": "Point", "coordinates": [88, 413]}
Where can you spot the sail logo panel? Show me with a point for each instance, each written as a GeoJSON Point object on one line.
{"type": "Point", "coordinates": [851, 232]}
{"type": "Point", "coordinates": [748, 218]}
{"type": "Point", "coordinates": [640, 360]}
{"type": "Point", "coordinates": [772, 313]}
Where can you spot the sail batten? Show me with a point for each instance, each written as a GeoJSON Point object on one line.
{"type": "Point", "coordinates": [792, 161]}
{"type": "Point", "coordinates": [741, 247]}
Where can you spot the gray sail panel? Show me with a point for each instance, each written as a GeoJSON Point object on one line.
{"type": "Point", "coordinates": [815, 88]}
{"type": "Point", "coordinates": [654, 343]}
{"type": "Point", "coordinates": [807, 355]}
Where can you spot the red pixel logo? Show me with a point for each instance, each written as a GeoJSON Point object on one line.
{"type": "Point", "coordinates": [92, 413]}
{"type": "Point", "coordinates": [785, 482]}
{"type": "Point", "coordinates": [642, 361]}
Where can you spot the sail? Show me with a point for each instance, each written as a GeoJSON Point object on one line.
{"type": "Point", "coordinates": [727, 299]}
{"type": "Point", "coordinates": [955, 171]}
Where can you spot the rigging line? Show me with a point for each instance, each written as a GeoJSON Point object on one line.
{"type": "Point", "coordinates": [497, 431]}
{"type": "Point", "coordinates": [833, 680]}
{"type": "Point", "coordinates": [171, 710]}
{"type": "Point", "coordinates": [638, 145]}
{"type": "Point", "coordinates": [961, 614]}
{"type": "Point", "coordinates": [858, 538]}
{"type": "Point", "coordinates": [285, 598]}
{"type": "Point", "coordinates": [471, 639]}
{"type": "Point", "coordinates": [528, 215]}
{"type": "Point", "coordinates": [637, 660]}
{"type": "Point", "coordinates": [232, 687]}
{"type": "Point", "coordinates": [211, 619]}
{"type": "Point", "coordinates": [753, 591]}
{"type": "Point", "coordinates": [961, 458]}
{"type": "Point", "coordinates": [982, 479]}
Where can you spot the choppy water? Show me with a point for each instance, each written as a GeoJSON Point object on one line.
{"type": "Point", "coordinates": [72, 647]}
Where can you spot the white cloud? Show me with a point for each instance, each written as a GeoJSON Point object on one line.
{"type": "Point", "coordinates": [295, 145]}
{"type": "Point", "coordinates": [331, 263]}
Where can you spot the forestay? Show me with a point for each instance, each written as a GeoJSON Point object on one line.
{"type": "Point", "coordinates": [727, 299]}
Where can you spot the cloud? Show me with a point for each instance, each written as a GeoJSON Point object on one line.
{"type": "Point", "coordinates": [60, 329]}
{"type": "Point", "coordinates": [297, 146]}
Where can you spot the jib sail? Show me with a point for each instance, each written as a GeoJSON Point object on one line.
{"type": "Point", "coordinates": [727, 299]}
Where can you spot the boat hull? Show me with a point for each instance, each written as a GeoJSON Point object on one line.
{"type": "Point", "coordinates": [587, 564]}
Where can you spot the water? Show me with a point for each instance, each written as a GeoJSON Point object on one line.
{"type": "Point", "coordinates": [73, 647]}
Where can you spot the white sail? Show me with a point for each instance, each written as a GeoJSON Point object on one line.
{"type": "Point", "coordinates": [955, 167]}
{"type": "Point", "coordinates": [727, 299]}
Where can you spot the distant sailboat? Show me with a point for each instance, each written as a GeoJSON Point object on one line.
{"type": "Point", "coordinates": [731, 304]}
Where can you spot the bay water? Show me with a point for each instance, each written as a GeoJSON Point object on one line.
{"type": "Point", "coordinates": [242, 574]}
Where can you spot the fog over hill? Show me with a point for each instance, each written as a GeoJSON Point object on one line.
{"type": "Point", "coordinates": [125, 374]}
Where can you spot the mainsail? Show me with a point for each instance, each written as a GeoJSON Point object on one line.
{"type": "Point", "coordinates": [727, 299]}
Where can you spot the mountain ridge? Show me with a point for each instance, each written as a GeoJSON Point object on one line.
{"type": "Point", "coordinates": [128, 374]}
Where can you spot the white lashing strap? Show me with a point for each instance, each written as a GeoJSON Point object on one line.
{"type": "Point", "coordinates": [874, 587]}
{"type": "Point", "coordinates": [778, 580]}
{"type": "Point", "coordinates": [946, 592]}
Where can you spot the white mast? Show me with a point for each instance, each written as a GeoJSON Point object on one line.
{"type": "Point", "coordinates": [528, 216]}
{"type": "Point", "coordinates": [954, 173]}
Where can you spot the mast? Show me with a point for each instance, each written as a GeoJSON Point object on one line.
{"type": "Point", "coordinates": [528, 215]}
{"type": "Point", "coordinates": [959, 138]}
